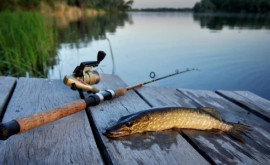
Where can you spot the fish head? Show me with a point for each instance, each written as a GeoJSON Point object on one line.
{"type": "Point", "coordinates": [128, 125]}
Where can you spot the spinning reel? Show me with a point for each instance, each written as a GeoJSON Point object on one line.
{"type": "Point", "coordinates": [83, 76]}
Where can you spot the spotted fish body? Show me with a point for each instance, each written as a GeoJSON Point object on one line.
{"type": "Point", "coordinates": [183, 118]}
{"type": "Point", "coordinates": [158, 119]}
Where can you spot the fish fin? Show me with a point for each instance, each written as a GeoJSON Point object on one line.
{"type": "Point", "coordinates": [215, 131]}
{"type": "Point", "coordinates": [212, 112]}
{"type": "Point", "coordinates": [236, 131]}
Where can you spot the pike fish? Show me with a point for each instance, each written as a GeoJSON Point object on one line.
{"type": "Point", "coordinates": [158, 119]}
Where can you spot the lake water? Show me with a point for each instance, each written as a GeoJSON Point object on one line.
{"type": "Point", "coordinates": [232, 51]}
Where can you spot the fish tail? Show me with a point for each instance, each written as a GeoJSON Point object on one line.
{"type": "Point", "coordinates": [236, 131]}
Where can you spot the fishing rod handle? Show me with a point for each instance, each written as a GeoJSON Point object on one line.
{"type": "Point", "coordinates": [41, 118]}
{"type": "Point", "coordinates": [30, 122]}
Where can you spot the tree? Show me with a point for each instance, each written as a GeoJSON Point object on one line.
{"type": "Point", "coordinates": [249, 6]}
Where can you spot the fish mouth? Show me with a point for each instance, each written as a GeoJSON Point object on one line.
{"type": "Point", "coordinates": [116, 133]}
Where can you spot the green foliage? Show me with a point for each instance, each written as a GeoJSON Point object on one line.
{"type": "Point", "coordinates": [107, 4]}
{"type": "Point", "coordinates": [22, 4]}
{"type": "Point", "coordinates": [244, 6]}
{"type": "Point", "coordinates": [121, 5]}
{"type": "Point", "coordinates": [27, 43]}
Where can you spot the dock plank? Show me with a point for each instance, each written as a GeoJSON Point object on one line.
{"type": "Point", "coordinates": [7, 84]}
{"type": "Point", "coordinates": [256, 150]}
{"type": "Point", "coordinates": [66, 141]}
{"type": "Point", "coordinates": [155, 148]}
{"type": "Point", "coordinates": [254, 103]}
{"type": "Point", "coordinates": [220, 149]}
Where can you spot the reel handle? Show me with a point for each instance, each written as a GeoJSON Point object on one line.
{"type": "Point", "coordinates": [79, 69]}
{"type": "Point", "coordinates": [100, 56]}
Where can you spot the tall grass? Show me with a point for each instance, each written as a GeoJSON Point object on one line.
{"type": "Point", "coordinates": [27, 44]}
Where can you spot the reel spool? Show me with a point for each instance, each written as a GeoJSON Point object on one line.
{"type": "Point", "coordinates": [83, 76]}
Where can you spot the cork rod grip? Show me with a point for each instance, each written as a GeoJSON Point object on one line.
{"type": "Point", "coordinates": [120, 92]}
{"type": "Point", "coordinates": [41, 118]}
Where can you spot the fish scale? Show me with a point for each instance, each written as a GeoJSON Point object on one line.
{"type": "Point", "coordinates": [183, 118]}
{"type": "Point", "coordinates": [158, 119]}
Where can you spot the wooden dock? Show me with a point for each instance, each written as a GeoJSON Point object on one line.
{"type": "Point", "coordinates": [78, 139]}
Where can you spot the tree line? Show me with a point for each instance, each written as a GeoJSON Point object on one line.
{"type": "Point", "coordinates": [220, 20]}
{"type": "Point", "coordinates": [102, 4]}
{"type": "Point", "coordinates": [97, 4]}
{"type": "Point", "coordinates": [164, 9]}
{"type": "Point", "coordinates": [244, 6]}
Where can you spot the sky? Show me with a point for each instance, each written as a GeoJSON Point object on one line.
{"type": "Point", "coordinates": [163, 3]}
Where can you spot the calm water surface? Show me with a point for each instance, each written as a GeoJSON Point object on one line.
{"type": "Point", "coordinates": [232, 51]}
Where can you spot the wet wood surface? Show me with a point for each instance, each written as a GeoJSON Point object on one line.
{"type": "Point", "coordinates": [255, 104]}
{"type": "Point", "coordinates": [66, 141]}
{"type": "Point", "coordinates": [78, 139]}
{"type": "Point", "coordinates": [6, 89]}
{"type": "Point", "coordinates": [148, 148]}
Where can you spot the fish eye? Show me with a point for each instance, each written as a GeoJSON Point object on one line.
{"type": "Point", "coordinates": [129, 124]}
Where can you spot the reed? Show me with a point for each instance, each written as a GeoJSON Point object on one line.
{"type": "Point", "coordinates": [28, 44]}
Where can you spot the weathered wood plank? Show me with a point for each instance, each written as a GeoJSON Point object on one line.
{"type": "Point", "coordinates": [66, 141]}
{"type": "Point", "coordinates": [7, 84]}
{"type": "Point", "coordinates": [219, 148]}
{"type": "Point", "coordinates": [154, 148]}
{"type": "Point", "coordinates": [257, 147]}
{"type": "Point", "coordinates": [254, 103]}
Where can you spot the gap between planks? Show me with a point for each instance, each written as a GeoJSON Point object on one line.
{"type": "Point", "coordinates": [242, 105]}
{"type": "Point", "coordinates": [65, 141]}
{"type": "Point", "coordinates": [7, 98]}
{"type": "Point", "coordinates": [100, 145]}
{"type": "Point", "coordinates": [256, 142]}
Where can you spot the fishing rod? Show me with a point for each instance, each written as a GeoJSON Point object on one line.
{"type": "Point", "coordinates": [157, 79]}
{"type": "Point", "coordinates": [21, 125]}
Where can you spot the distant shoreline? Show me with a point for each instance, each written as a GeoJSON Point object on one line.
{"type": "Point", "coordinates": [164, 9]}
{"type": "Point", "coordinates": [196, 12]}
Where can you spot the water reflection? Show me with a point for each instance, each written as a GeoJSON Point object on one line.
{"type": "Point", "coordinates": [232, 59]}
{"type": "Point", "coordinates": [112, 56]}
{"type": "Point", "coordinates": [155, 41]}
{"type": "Point", "coordinates": [84, 30]}
{"type": "Point", "coordinates": [241, 21]}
